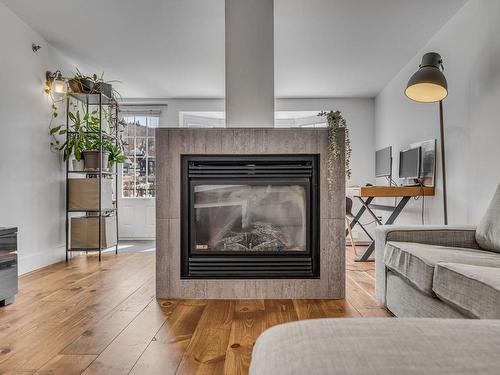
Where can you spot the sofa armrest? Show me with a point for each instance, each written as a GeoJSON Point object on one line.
{"type": "Point", "coordinates": [450, 235]}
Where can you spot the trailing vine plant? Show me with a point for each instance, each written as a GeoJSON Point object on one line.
{"type": "Point", "coordinates": [54, 102]}
{"type": "Point", "coordinates": [335, 122]}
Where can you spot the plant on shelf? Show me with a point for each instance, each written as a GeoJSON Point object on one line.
{"type": "Point", "coordinates": [336, 122]}
{"type": "Point", "coordinates": [87, 134]}
{"type": "Point", "coordinates": [92, 84]}
{"type": "Point", "coordinates": [77, 140]}
{"type": "Point", "coordinates": [116, 155]}
{"type": "Point", "coordinates": [84, 141]}
{"type": "Point", "coordinates": [96, 147]}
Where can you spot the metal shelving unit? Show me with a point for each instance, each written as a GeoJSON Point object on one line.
{"type": "Point", "coordinates": [93, 101]}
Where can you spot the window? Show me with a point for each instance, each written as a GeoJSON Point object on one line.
{"type": "Point", "coordinates": [282, 119]}
{"type": "Point", "coordinates": [139, 171]}
{"type": "Point", "coordinates": [299, 119]}
{"type": "Point", "coordinates": [202, 119]}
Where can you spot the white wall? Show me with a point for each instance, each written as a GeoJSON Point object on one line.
{"type": "Point", "coordinates": [470, 46]}
{"type": "Point", "coordinates": [31, 187]}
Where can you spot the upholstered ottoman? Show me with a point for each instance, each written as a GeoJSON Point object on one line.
{"type": "Point", "coordinates": [379, 346]}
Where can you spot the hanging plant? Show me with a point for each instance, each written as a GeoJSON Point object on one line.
{"type": "Point", "coordinates": [335, 122]}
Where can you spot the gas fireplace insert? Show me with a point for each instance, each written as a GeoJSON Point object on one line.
{"type": "Point", "coordinates": [249, 216]}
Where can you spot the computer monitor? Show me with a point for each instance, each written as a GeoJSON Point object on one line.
{"type": "Point", "coordinates": [409, 163]}
{"type": "Point", "coordinates": [383, 162]}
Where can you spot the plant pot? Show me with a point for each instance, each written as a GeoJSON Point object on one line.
{"type": "Point", "coordinates": [104, 88]}
{"type": "Point", "coordinates": [112, 167]}
{"type": "Point", "coordinates": [93, 160]}
{"type": "Point", "coordinates": [78, 165]}
{"type": "Point", "coordinates": [86, 86]}
{"type": "Point", "coordinates": [74, 85]}
{"type": "Point", "coordinates": [81, 86]}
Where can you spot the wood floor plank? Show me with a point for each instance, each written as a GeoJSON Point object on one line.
{"type": "Point", "coordinates": [249, 321]}
{"type": "Point", "coordinates": [309, 309]}
{"type": "Point", "coordinates": [102, 318]}
{"type": "Point", "coordinates": [358, 297]}
{"type": "Point", "coordinates": [207, 350]}
{"type": "Point", "coordinates": [363, 280]}
{"type": "Point", "coordinates": [95, 339]}
{"type": "Point", "coordinates": [141, 297]}
{"type": "Point", "coordinates": [339, 309]}
{"type": "Point", "coordinates": [99, 335]}
{"type": "Point", "coordinates": [55, 329]}
{"type": "Point", "coordinates": [279, 311]}
{"type": "Point", "coordinates": [19, 318]}
{"type": "Point", "coordinates": [45, 337]}
{"type": "Point", "coordinates": [66, 365]}
{"type": "Point", "coordinates": [51, 335]}
{"type": "Point", "coordinates": [122, 354]}
{"type": "Point", "coordinates": [165, 351]}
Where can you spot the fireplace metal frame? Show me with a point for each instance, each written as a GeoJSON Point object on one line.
{"type": "Point", "coordinates": [251, 170]}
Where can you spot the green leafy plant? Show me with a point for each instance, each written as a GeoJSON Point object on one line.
{"type": "Point", "coordinates": [91, 84]}
{"type": "Point", "coordinates": [116, 155]}
{"type": "Point", "coordinates": [335, 123]}
{"type": "Point", "coordinates": [79, 136]}
{"type": "Point", "coordinates": [54, 101]}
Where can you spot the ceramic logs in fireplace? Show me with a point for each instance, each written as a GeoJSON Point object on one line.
{"type": "Point", "coordinates": [249, 216]}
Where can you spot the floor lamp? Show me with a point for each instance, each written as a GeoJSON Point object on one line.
{"type": "Point", "coordinates": [428, 85]}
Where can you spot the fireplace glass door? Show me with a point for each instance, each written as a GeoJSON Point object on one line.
{"type": "Point", "coordinates": [250, 216]}
{"type": "Point", "coordinates": [262, 216]}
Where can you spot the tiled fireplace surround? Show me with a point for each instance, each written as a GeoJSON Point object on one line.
{"type": "Point", "coordinates": [174, 142]}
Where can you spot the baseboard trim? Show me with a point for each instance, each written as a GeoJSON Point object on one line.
{"type": "Point", "coordinates": [137, 239]}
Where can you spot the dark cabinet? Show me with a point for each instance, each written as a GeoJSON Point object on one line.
{"type": "Point", "coordinates": [8, 265]}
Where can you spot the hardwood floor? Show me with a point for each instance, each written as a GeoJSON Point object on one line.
{"type": "Point", "coordinates": [91, 318]}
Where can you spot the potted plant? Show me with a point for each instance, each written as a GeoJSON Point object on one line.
{"type": "Point", "coordinates": [336, 123]}
{"type": "Point", "coordinates": [83, 141]}
{"type": "Point", "coordinates": [93, 84]}
{"type": "Point", "coordinates": [95, 153]}
{"type": "Point", "coordinates": [76, 139]}
{"type": "Point", "coordinates": [116, 155]}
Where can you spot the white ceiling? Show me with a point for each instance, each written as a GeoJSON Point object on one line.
{"type": "Point", "coordinates": [175, 48]}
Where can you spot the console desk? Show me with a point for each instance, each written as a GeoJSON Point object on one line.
{"type": "Point", "coordinates": [366, 194]}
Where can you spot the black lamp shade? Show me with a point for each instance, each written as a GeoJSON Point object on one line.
{"type": "Point", "coordinates": [428, 84]}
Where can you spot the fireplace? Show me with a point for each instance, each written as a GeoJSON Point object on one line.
{"type": "Point", "coordinates": [249, 216]}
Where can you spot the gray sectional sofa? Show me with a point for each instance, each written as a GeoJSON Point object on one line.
{"type": "Point", "coordinates": [421, 272]}
{"type": "Point", "coordinates": [441, 272]}
{"type": "Point", "coordinates": [379, 346]}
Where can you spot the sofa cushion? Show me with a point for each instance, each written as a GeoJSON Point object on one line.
{"type": "Point", "coordinates": [379, 346]}
{"type": "Point", "coordinates": [474, 290]}
{"type": "Point", "coordinates": [415, 262]}
{"type": "Point", "coordinates": [406, 301]}
{"type": "Point", "coordinates": [488, 231]}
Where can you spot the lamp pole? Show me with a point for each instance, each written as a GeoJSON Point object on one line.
{"type": "Point", "coordinates": [428, 85]}
{"type": "Point", "coordinates": [443, 161]}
